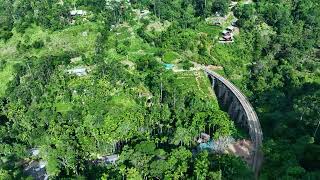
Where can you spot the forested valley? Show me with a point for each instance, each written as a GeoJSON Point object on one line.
{"type": "Point", "coordinates": [115, 89]}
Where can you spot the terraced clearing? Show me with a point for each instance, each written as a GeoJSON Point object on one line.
{"type": "Point", "coordinates": [71, 39]}
{"type": "Point", "coordinates": [196, 82]}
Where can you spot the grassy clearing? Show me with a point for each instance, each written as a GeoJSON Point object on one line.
{"type": "Point", "coordinates": [8, 51]}
{"type": "Point", "coordinates": [136, 44]}
{"type": "Point", "coordinates": [70, 39]}
{"type": "Point", "coordinates": [169, 57]}
{"type": "Point", "coordinates": [6, 76]}
{"type": "Point", "coordinates": [158, 26]}
{"type": "Point", "coordinates": [212, 31]}
{"type": "Point", "coordinates": [63, 107]}
{"type": "Point", "coordinates": [204, 83]}
{"type": "Point", "coordinates": [195, 82]}
{"type": "Point", "coordinates": [122, 101]}
{"type": "Point", "coordinates": [124, 39]}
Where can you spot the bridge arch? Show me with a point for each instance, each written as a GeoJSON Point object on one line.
{"type": "Point", "coordinates": [241, 111]}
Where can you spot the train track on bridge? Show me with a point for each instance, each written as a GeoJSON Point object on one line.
{"type": "Point", "coordinates": [253, 123]}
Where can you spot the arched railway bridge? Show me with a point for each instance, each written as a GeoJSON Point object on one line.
{"type": "Point", "coordinates": [241, 111]}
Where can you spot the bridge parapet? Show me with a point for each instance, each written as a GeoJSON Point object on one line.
{"type": "Point", "coordinates": [241, 111]}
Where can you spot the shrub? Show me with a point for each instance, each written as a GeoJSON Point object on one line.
{"type": "Point", "coordinates": [38, 44]}
{"type": "Point", "coordinates": [5, 35]}
{"type": "Point", "coordinates": [3, 64]}
{"type": "Point", "coordinates": [187, 65]}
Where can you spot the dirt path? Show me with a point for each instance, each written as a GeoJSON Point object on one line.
{"type": "Point", "coordinates": [243, 149]}
{"type": "Point", "coordinates": [197, 76]}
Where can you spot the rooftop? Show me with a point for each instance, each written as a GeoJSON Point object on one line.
{"type": "Point", "coordinates": [109, 159]}
{"type": "Point", "coordinates": [78, 12]}
{"type": "Point", "coordinates": [78, 71]}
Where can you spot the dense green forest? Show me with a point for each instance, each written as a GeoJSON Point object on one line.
{"type": "Point", "coordinates": [81, 79]}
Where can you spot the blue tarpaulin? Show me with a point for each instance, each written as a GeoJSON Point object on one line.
{"type": "Point", "coordinates": [207, 146]}
{"type": "Point", "coordinates": [168, 66]}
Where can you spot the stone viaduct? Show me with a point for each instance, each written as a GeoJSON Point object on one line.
{"type": "Point", "coordinates": [241, 111]}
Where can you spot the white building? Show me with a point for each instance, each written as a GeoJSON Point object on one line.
{"type": "Point", "coordinates": [78, 13]}
{"type": "Point", "coordinates": [111, 159]}
{"type": "Point", "coordinates": [78, 71]}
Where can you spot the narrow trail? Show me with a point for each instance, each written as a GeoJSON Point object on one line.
{"type": "Point", "coordinates": [198, 83]}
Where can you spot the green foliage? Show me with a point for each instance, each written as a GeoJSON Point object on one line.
{"type": "Point", "coordinates": [220, 6]}
{"type": "Point", "coordinates": [170, 57]}
{"type": "Point", "coordinates": [3, 64]}
{"type": "Point", "coordinates": [63, 107]}
{"type": "Point", "coordinates": [5, 35]}
{"type": "Point", "coordinates": [232, 167]}
{"type": "Point", "coordinates": [283, 83]}
{"type": "Point", "coordinates": [128, 104]}
{"type": "Point", "coordinates": [38, 44]}
{"type": "Point", "coordinates": [202, 165]}
{"type": "Point", "coordinates": [5, 175]}
{"type": "Point", "coordinates": [187, 65]}
{"type": "Point", "coordinates": [245, 13]}
{"type": "Point", "coordinates": [133, 174]}
{"type": "Point", "coordinates": [211, 31]}
{"type": "Point", "coordinates": [6, 75]}
{"type": "Point", "coordinates": [6, 20]}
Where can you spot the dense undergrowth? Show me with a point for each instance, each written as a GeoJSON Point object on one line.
{"type": "Point", "coordinates": [130, 105]}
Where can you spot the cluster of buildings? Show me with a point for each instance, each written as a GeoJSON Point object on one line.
{"type": "Point", "coordinates": [228, 34]}
{"type": "Point", "coordinates": [76, 13]}
{"type": "Point", "coordinates": [36, 167]}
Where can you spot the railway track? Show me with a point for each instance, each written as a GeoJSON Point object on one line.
{"type": "Point", "coordinates": [251, 117]}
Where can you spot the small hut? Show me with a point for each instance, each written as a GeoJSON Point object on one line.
{"type": "Point", "coordinates": [78, 12]}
